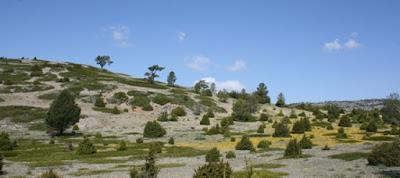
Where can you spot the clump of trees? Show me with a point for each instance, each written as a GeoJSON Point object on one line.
{"type": "Point", "coordinates": [103, 60]}
{"type": "Point", "coordinates": [280, 102]}
{"type": "Point", "coordinates": [301, 126]}
{"type": "Point", "coordinates": [293, 149]}
{"type": "Point", "coordinates": [281, 130]}
{"type": "Point", "coordinates": [152, 73]}
{"type": "Point", "coordinates": [86, 147]}
{"type": "Point", "coordinates": [204, 88]}
{"type": "Point", "coordinates": [243, 109]}
{"type": "Point", "coordinates": [153, 129]}
{"type": "Point", "coordinates": [244, 144]}
{"type": "Point", "coordinates": [387, 154]}
{"type": "Point", "coordinates": [391, 109]}
{"type": "Point", "coordinates": [63, 112]}
{"type": "Point", "coordinates": [345, 121]}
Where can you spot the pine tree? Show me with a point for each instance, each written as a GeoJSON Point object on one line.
{"type": "Point", "coordinates": [345, 121]}
{"type": "Point", "coordinates": [153, 129]}
{"type": "Point", "coordinates": [150, 169]}
{"type": "Point", "coordinates": [305, 143]}
{"type": "Point", "coordinates": [293, 149]}
{"type": "Point", "coordinates": [171, 78]}
{"type": "Point", "coordinates": [63, 112]}
{"type": "Point", "coordinates": [245, 144]}
{"type": "Point", "coordinates": [281, 130]}
{"type": "Point", "coordinates": [280, 100]}
{"type": "Point", "coordinates": [213, 155]}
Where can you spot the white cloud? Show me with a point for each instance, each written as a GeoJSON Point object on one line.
{"type": "Point", "coordinates": [120, 34]}
{"type": "Point", "coordinates": [352, 44]}
{"type": "Point", "coordinates": [198, 63]}
{"type": "Point", "coordinates": [230, 85]}
{"type": "Point", "coordinates": [333, 45]}
{"type": "Point", "coordinates": [237, 66]}
{"type": "Point", "coordinates": [182, 36]}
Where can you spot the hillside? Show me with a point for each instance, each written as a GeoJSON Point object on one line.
{"type": "Point", "coordinates": [28, 87]}
{"type": "Point", "coordinates": [365, 104]}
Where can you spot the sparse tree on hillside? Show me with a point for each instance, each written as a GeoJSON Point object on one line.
{"type": "Point", "coordinates": [262, 94]}
{"type": "Point", "coordinates": [213, 88]}
{"type": "Point", "coordinates": [281, 100]}
{"type": "Point", "coordinates": [63, 112]}
{"type": "Point", "coordinates": [242, 111]}
{"type": "Point", "coordinates": [103, 60]}
{"type": "Point", "coordinates": [152, 74]}
{"type": "Point", "coordinates": [200, 86]}
{"type": "Point", "coordinates": [171, 78]}
{"type": "Point", "coordinates": [391, 109]}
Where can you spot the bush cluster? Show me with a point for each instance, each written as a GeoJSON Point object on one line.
{"type": "Point", "coordinates": [244, 144]}
{"type": "Point", "coordinates": [230, 155]}
{"type": "Point", "coordinates": [86, 147]}
{"type": "Point", "coordinates": [153, 129]}
{"type": "Point", "coordinates": [214, 170]}
{"type": "Point", "coordinates": [263, 144]}
{"type": "Point", "coordinates": [345, 121]}
{"type": "Point", "coordinates": [301, 126]}
{"type": "Point", "coordinates": [213, 155]}
{"type": "Point", "coordinates": [178, 111]}
{"type": "Point", "coordinates": [305, 143]}
{"type": "Point", "coordinates": [293, 149]}
{"type": "Point", "coordinates": [161, 99]}
{"type": "Point", "coordinates": [5, 142]}
{"type": "Point", "coordinates": [387, 154]}
{"type": "Point", "coordinates": [281, 130]}
{"type": "Point", "coordinates": [341, 133]}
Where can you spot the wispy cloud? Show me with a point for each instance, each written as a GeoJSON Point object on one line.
{"type": "Point", "coordinates": [237, 66]}
{"type": "Point", "coordinates": [230, 85]}
{"type": "Point", "coordinates": [333, 45]}
{"type": "Point", "coordinates": [182, 36]}
{"type": "Point", "coordinates": [198, 63]}
{"type": "Point", "coordinates": [120, 35]}
{"type": "Point", "coordinates": [351, 43]}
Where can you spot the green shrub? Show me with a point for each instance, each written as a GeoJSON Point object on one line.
{"type": "Point", "coordinates": [171, 141]}
{"type": "Point", "coordinates": [263, 117]}
{"type": "Point", "coordinates": [293, 149]}
{"type": "Point", "coordinates": [261, 128]}
{"type": "Point", "coordinates": [140, 101]}
{"type": "Point", "coordinates": [210, 114]}
{"type": "Point", "coordinates": [147, 107]}
{"type": "Point", "coordinates": [122, 146]}
{"type": "Point", "coordinates": [153, 129]}
{"type": "Point", "coordinates": [371, 127]}
{"type": "Point", "coordinates": [293, 114]}
{"type": "Point", "coordinates": [120, 97]}
{"type": "Point", "coordinates": [156, 147]}
{"type": "Point", "coordinates": [161, 99]}
{"type": "Point", "coordinates": [298, 127]}
{"type": "Point", "coordinates": [52, 142]}
{"type": "Point", "coordinates": [49, 174]}
{"type": "Point", "coordinates": [173, 118]}
{"type": "Point", "coordinates": [281, 130]}
{"type": "Point", "coordinates": [305, 143]}
{"type": "Point", "coordinates": [280, 114]}
{"type": "Point", "coordinates": [345, 121]}
{"type": "Point", "coordinates": [213, 155]}
{"type": "Point", "coordinates": [63, 112]}
{"type": "Point", "coordinates": [163, 117]}
{"type": "Point", "coordinates": [75, 128]}
{"type": "Point", "coordinates": [244, 144]}
{"type": "Point", "coordinates": [133, 173]}
{"type": "Point", "coordinates": [213, 170]}
{"type": "Point", "coordinates": [214, 130]}
{"type": "Point", "coordinates": [302, 114]}
{"type": "Point", "coordinates": [139, 140]}
{"type": "Point", "coordinates": [263, 144]}
{"type": "Point", "coordinates": [226, 121]}
{"type": "Point", "coordinates": [233, 139]}
{"type": "Point", "coordinates": [1, 163]}
{"type": "Point", "coordinates": [341, 133]}
{"type": "Point", "coordinates": [242, 110]}
{"type": "Point", "coordinates": [86, 147]}
{"type": "Point", "coordinates": [387, 154]}
{"type": "Point", "coordinates": [5, 142]}
{"type": "Point", "coordinates": [230, 155]}
{"type": "Point", "coordinates": [205, 120]}
{"type": "Point", "coordinates": [178, 111]}
{"type": "Point", "coordinates": [326, 147]}
{"type": "Point", "coordinates": [329, 127]}
{"type": "Point", "coordinates": [99, 102]}
{"type": "Point", "coordinates": [36, 71]}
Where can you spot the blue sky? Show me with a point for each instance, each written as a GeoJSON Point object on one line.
{"type": "Point", "coordinates": [309, 50]}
